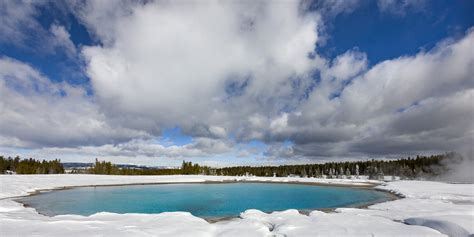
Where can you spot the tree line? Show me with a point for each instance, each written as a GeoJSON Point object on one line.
{"type": "Point", "coordinates": [30, 166]}
{"type": "Point", "coordinates": [405, 168]}
{"type": "Point", "coordinates": [106, 167]}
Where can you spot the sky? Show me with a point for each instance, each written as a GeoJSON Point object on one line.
{"type": "Point", "coordinates": [226, 83]}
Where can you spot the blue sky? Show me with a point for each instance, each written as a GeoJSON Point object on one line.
{"type": "Point", "coordinates": [138, 101]}
{"type": "Point", "coordinates": [384, 35]}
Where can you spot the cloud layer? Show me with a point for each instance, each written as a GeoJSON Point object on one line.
{"type": "Point", "coordinates": [228, 73]}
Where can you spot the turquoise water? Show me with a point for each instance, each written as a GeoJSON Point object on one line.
{"type": "Point", "coordinates": [204, 200]}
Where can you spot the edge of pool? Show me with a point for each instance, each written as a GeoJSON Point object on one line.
{"type": "Point", "coordinates": [372, 186]}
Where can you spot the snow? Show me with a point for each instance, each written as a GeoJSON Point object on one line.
{"type": "Point", "coordinates": [432, 190]}
{"type": "Point", "coordinates": [428, 209]}
{"type": "Point", "coordinates": [453, 225]}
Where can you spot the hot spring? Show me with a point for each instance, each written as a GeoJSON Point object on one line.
{"type": "Point", "coordinates": [207, 200]}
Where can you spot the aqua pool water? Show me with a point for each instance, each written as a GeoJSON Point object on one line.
{"type": "Point", "coordinates": [203, 200]}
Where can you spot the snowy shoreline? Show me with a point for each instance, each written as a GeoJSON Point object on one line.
{"type": "Point", "coordinates": [367, 184]}
{"type": "Point", "coordinates": [428, 209]}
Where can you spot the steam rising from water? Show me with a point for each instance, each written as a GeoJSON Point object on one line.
{"type": "Point", "coordinates": [460, 168]}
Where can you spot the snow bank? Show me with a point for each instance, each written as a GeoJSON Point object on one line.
{"type": "Point", "coordinates": [431, 190]}
{"type": "Point", "coordinates": [429, 209]}
{"type": "Point", "coordinates": [460, 226]}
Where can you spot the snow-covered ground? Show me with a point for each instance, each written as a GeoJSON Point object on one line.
{"type": "Point", "coordinates": [429, 209]}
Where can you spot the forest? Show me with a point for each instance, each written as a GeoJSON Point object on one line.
{"type": "Point", "coordinates": [105, 167]}
{"type": "Point", "coordinates": [405, 168]}
{"type": "Point", "coordinates": [30, 166]}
